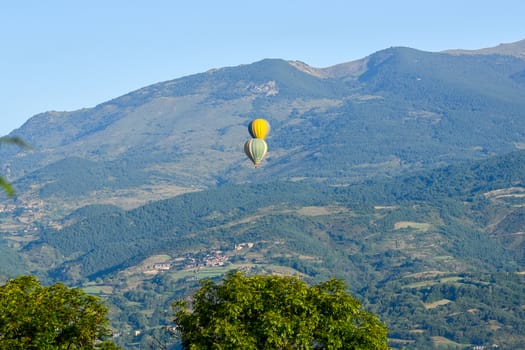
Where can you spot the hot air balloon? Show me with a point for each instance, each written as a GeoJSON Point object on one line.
{"type": "Point", "coordinates": [259, 128]}
{"type": "Point", "coordinates": [256, 149]}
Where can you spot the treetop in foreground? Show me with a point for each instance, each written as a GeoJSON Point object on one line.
{"type": "Point", "coordinates": [276, 312]}
{"type": "Point", "coordinates": [33, 316]}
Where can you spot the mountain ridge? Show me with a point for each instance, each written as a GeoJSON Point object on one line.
{"type": "Point", "coordinates": [356, 67]}
{"type": "Point", "coordinates": [513, 49]}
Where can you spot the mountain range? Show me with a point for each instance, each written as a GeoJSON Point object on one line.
{"type": "Point", "coordinates": [401, 173]}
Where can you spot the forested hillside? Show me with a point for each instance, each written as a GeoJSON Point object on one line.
{"type": "Point", "coordinates": [436, 240]}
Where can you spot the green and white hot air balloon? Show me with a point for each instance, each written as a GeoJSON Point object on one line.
{"type": "Point", "coordinates": [256, 149]}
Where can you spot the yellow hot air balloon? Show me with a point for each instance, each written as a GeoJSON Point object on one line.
{"type": "Point", "coordinates": [256, 149]}
{"type": "Point", "coordinates": [259, 128]}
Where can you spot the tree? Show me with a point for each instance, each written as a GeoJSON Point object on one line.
{"type": "Point", "coordinates": [4, 184]}
{"type": "Point", "coordinates": [56, 317]}
{"type": "Point", "coordinates": [275, 312]}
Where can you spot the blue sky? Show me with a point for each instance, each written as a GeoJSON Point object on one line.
{"type": "Point", "coordinates": [66, 55]}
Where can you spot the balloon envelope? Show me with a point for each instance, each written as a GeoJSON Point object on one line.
{"type": "Point", "coordinates": [255, 149]}
{"type": "Point", "coordinates": [259, 128]}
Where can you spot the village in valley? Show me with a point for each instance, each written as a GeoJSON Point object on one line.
{"type": "Point", "coordinates": [213, 258]}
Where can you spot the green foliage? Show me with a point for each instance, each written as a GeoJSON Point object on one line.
{"type": "Point", "coordinates": [6, 186]}
{"type": "Point", "coordinates": [273, 312]}
{"type": "Point", "coordinates": [55, 317]}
